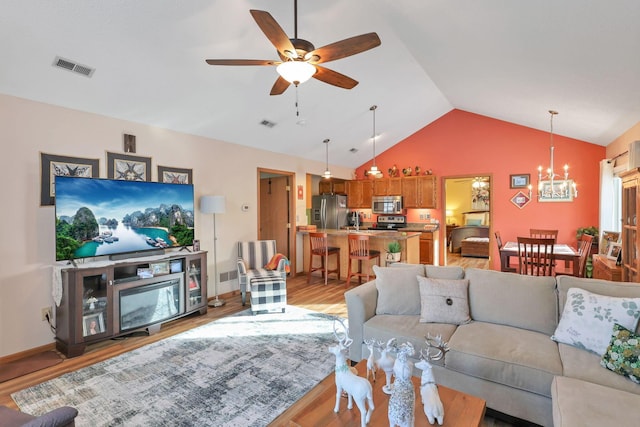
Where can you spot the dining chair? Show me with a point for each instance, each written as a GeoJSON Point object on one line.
{"type": "Point", "coordinates": [319, 243]}
{"type": "Point", "coordinates": [504, 266]}
{"type": "Point", "coordinates": [535, 256]}
{"type": "Point", "coordinates": [540, 233]}
{"type": "Point", "coordinates": [584, 249]}
{"type": "Point", "coordinates": [359, 250]}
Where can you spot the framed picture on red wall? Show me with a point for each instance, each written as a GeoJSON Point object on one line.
{"type": "Point", "coordinates": [521, 180]}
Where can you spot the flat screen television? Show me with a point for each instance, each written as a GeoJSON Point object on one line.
{"type": "Point", "coordinates": [96, 217]}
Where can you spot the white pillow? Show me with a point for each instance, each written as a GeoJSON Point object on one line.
{"type": "Point", "coordinates": [587, 319]}
{"type": "Point", "coordinates": [444, 300]}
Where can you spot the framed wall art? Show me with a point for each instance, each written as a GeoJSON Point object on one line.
{"type": "Point", "coordinates": [52, 165]}
{"type": "Point", "coordinates": [128, 168]}
{"type": "Point", "coordinates": [561, 191]}
{"type": "Point", "coordinates": [519, 180]}
{"type": "Point", "coordinates": [520, 199]}
{"type": "Point", "coordinates": [175, 175]}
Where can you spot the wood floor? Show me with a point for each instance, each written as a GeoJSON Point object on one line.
{"type": "Point", "coordinates": [315, 296]}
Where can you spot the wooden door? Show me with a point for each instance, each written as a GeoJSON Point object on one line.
{"type": "Point", "coordinates": [275, 221]}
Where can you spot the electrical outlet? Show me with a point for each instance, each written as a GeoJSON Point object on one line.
{"type": "Point", "coordinates": [46, 311]}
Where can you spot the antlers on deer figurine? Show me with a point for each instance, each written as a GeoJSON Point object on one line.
{"type": "Point", "coordinates": [431, 402]}
{"type": "Point", "coordinates": [357, 388]}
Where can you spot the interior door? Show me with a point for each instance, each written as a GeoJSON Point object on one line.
{"type": "Point", "coordinates": [276, 212]}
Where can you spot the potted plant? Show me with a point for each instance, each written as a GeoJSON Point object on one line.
{"type": "Point", "coordinates": [393, 251]}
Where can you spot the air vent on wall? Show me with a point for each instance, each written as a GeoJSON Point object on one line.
{"type": "Point", "coordinates": [72, 66]}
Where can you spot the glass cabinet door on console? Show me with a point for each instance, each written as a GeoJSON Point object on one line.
{"type": "Point", "coordinates": [196, 282]}
{"type": "Point", "coordinates": [630, 236]}
{"type": "Point", "coordinates": [96, 305]}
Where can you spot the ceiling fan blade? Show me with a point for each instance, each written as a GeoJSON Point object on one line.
{"type": "Point", "coordinates": [241, 62]}
{"type": "Point", "coordinates": [334, 78]}
{"type": "Point", "coordinates": [279, 86]}
{"type": "Point", "coordinates": [274, 33]}
{"type": "Point", "coordinates": [343, 48]}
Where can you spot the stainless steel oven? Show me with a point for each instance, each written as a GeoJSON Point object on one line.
{"type": "Point", "coordinates": [387, 205]}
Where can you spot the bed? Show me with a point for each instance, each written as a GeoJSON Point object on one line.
{"type": "Point", "coordinates": [475, 247]}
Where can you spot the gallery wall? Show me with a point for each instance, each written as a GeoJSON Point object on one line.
{"type": "Point", "coordinates": [28, 251]}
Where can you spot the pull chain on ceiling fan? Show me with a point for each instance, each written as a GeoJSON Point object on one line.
{"type": "Point", "coordinates": [299, 58]}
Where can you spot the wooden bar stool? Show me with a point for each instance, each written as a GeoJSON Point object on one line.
{"type": "Point", "coordinates": [320, 247]}
{"type": "Point", "coordinates": [359, 250]}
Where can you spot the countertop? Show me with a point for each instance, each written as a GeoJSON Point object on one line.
{"type": "Point", "coordinates": [373, 233]}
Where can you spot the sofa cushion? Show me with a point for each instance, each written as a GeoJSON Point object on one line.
{"type": "Point", "coordinates": [405, 328]}
{"type": "Point", "coordinates": [584, 365]}
{"type": "Point", "coordinates": [527, 302]}
{"type": "Point", "coordinates": [580, 403]}
{"type": "Point", "coordinates": [444, 300]}
{"type": "Point", "coordinates": [588, 318]}
{"type": "Point", "coordinates": [514, 357]}
{"type": "Point", "coordinates": [398, 289]}
{"type": "Point", "coordinates": [602, 287]}
{"type": "Point", "coordinates": [623, 354]}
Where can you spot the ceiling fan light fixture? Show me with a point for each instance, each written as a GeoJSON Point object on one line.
{"type": "Point", "coordinates": [327, 172]}
{"type": "Point", "coordinates": [296, 72]}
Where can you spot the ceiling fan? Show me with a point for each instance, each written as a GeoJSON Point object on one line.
{"type": "Point", "coordinates": [299, 58]}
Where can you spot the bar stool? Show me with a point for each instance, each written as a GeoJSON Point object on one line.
{"type": "Point", "coordinates": [359, 250]}
{"type": "Point", "coordinates": [320, 247]}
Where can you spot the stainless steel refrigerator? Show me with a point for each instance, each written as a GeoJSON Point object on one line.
{"type": "Point", "coordinates": [329, 211]}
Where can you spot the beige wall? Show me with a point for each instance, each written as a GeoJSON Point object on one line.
{"type": "Point", "coordinates": [621, 144]}
{"type": "Point", "coordinates": [27, 251]}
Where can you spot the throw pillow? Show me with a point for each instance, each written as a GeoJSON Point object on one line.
{"type": "Point", "coordinates": [623, 354]}
{"type": "Point", "coordinates": [587, 319]}
{"type": "Point", "coordinates": [444, 301]}
{"type": "Point", "coordinates": [275, 260]}
{"type": "Point", "coordinates": [474, 222]}
{"type": "Point", "coordinates": [398, 289]}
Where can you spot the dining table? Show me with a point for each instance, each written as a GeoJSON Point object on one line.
{"type": "Point", "coordinates": [561, 252]}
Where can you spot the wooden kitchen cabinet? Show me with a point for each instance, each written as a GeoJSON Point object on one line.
{"type": "Point", "coordinates": [426, 248]}
{"type": "Point", "coordinates": [332, 186]}
{"type": "Point", "coordinates": [387, 187]}
{"type": "Point", "coordinates": [419, 192]}
{"type": "Point", "coordinates": [359, 194]}
{"type": "Point", "coordinates": [606, 269]}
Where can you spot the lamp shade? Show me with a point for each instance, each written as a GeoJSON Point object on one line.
{"type": "Point", "coordinates": [296, 71]}
{"type": "Point", "coordinates": [212, 204]}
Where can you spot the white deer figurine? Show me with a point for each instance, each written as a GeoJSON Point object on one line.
{"type": "Point", "coordinates": [403, 397]}
{"type": "Point", "coordinates": [371, 363]}
{"type": "Point", "coordinates": [357, 388]}
{"type": "Point", "coordinates": [433, 408]}
{"type": "Point", "coordinates": [385, 363]}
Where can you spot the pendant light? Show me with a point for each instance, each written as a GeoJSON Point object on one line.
{"type": "Point", "coordinates": [327, 173]}
{"type": "Point", "coordinates": [374, 169]}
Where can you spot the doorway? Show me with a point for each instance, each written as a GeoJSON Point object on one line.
{"type": "Point", "coordinates": [276, 210]}
{"type": "Point", "coordinates": [466, 203]}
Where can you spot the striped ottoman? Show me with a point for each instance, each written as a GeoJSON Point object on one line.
{"type": "Point", "coordinates": [268, 292]}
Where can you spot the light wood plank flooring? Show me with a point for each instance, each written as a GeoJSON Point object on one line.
{"type": "Point", "coordinates": [315, 296]}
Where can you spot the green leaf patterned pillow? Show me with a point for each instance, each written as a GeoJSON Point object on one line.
{"type": "Point", "coordinates": [623, 354]}
{"type": "Point", "coordinates": [587, 319]}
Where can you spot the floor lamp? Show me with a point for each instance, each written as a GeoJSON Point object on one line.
{"type": "Point", "coordinates": [214, 205]}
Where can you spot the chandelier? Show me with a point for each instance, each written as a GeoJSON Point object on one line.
{"type": "Point", "coordinates": [553, 186]}
{"type": "Point", "coordinates": [327, 172]}
{"type": "Point", "coordinates": [374, 169]}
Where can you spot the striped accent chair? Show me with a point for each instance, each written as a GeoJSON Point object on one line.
{"type": "Point", "coordinates": [268, 287]}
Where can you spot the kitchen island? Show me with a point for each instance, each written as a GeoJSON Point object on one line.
{"type": "Point", "coordinates": [409, 242]}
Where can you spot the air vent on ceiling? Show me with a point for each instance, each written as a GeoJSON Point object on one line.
{"type": "Point", "coordinates": [354, 150]}
{"type": "Point", "coordinates": [267, 123]}
{"type": "Point", "coordinates": [72, 66]}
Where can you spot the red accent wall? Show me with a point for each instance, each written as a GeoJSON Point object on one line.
{"type": "Point", "coordinates": [462, 143]}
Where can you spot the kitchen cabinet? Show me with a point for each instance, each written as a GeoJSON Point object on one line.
{"type": "Point", "coordinates": [419, 192]}
{"type": "Point", "coordinates": [359, 194]}
{"type": "Point", "coordinates": [387, 187]}
{"type": "Point", "coordinates": [332, 186]}
{"type": "Point", "coordinates": [426, 248]}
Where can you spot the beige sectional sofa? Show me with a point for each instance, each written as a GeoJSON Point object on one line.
{"type": "Point", "coordinates": [505, 353]}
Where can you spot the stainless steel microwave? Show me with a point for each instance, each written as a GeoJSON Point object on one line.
{"type": "Point", "coordinates": [387, 205]}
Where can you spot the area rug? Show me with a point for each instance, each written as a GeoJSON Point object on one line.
{"type": "Point", "coordinates": [242, 370]}
{"type": "Point", "coordinates": [27, 365]}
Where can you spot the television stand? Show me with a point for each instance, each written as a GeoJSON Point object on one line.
{"type": "Point", "coordinates": [105, 300]}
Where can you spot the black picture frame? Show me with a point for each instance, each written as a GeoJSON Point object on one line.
{"type": "Point", "coordinates": [128, 168]}
{"type": "Point", "coordinates": [52, 165]}
{"type": "Point", "coordinates": [521, 180]}
{"type": "Point", "coordinates": [175, 175]}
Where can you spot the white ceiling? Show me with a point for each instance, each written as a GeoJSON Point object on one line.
{"type": "Point", "coordinates": [511, 60]}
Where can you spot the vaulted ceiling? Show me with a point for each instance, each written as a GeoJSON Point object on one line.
{"type": "Point", "coordinates": [511, 60]}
